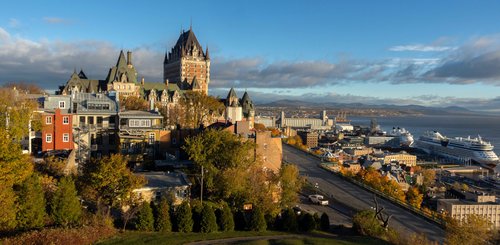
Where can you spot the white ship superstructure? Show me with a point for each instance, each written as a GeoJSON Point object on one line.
{"type": "Point", "coordinates": [405, 137]}
{"type": "Point", "coordinates": [462, 149]}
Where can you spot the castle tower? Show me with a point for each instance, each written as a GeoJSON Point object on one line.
{"type": "Point", "coordinates": [248, 109]}
{"type": "Point", "coordinates": [186, 63]}
{"type": "Point", "coordinates": [233, 108]}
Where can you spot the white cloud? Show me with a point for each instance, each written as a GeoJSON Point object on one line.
{"type": "Point", "coordinates": [421, 48]}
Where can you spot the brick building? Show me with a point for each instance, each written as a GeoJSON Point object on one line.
{"type": "Point", "coordinates": [309, 139]}
{"type": "Point", "coordinates": [57, 132]}
{"type": "Point", "coordinates": [187, 65]}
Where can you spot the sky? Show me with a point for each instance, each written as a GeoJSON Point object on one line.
{"type": "Point", "coordinates": [432, 53]}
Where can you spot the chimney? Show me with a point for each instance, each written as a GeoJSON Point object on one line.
{"type": "Point", "coordinates": [142, 81]}
{"type": "Point", "coordinates": [166, 83]}
{"type": "Point", "coordinates": [129, 58]}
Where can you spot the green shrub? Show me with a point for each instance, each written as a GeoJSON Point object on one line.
{"type": "Point", "coordinates": [162, 216]}
{"type": "Point", "coordinates": [65, 206]}
{"type": "Point", "coordinates": [257, 221]}
{"type": "Point", "coordinates": [184, 218]}
{"type": "Point", "coordinates": [307, 222]}
{"type": "Point", "coordinates": [145, 219]}
{"type": "Point", "coordinates": [365, 223]}
{"type": "Point", "coordinates": [208, 223]}
{"type": "Point", "coordinates": [225, 218]}
{"type": "Point", "coordinates": [289, 222]}
{"type": "Point", "coordinates": [325, 222]}
{"type": "Point", "coordinates": [31, 202]}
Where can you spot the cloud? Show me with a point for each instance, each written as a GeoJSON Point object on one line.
{"type": "Point", "coordinates": [56, 20]}
{"type": "Point", "coordinates": [421, 48]}
{"type": "Point", "coordinates": [50, 63]}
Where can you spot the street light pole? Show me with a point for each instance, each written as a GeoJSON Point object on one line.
{"type": "Point", "coordinates": [201, 189]}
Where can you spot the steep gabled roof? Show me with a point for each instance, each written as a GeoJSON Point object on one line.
{"type": "Point", "coordinates": [121, 60]}
{"type": "Point", "coordinates": [231, 94]}
{"type": "Point", "coordinates": [187, 40]}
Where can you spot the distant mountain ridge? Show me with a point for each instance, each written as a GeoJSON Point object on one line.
{"type": "Point", "coordinates": [415, 108]}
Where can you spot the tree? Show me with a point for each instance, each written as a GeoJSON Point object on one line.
{"type": "Point", "coordinates": [429, 177]}
{"type": "Point", "coordinates": [145, 220]}
{"type": "Point", "coordinates": [414, 197]}
{"type": "Point", "coordinates": [291, 184]}
{"type": "Point", "coordinates": [162, 221]}
{"type": "Point", "coordinates": [473, 229]}
{"type": "Point", "coordinates": [208, 222]}
{"type": "Point", "coordinates": [17, 114]}
{"type": "Point", "coordinates": [225, 218]}
{"type": "Point", "coordinates": [289, 222]}
{"type": "Point", "coordinates": [325, 222]}
{"type": "Point", "coordinates": [183, 218]}
{"type": "Point", "coordinates": [366, 223]}
{"type": "Point", "coordinates": [65, 206]}
{"type": "Point", "coordinates": [257, 221]}
{"type": "Point", "coordinates": [51, 166]}
{"type": "Point", "coordinates": [8, 207]}
{"type": "Point", "coordinates": [24, 87]}
{"type": "Point", "coordinates": [199, 108]}
{"type": "Point", "coordinates": [109, 180]}
{"type": "Point", "coordinates": [133, 103]}
{"type": "Point", "coordinates": [31, 203]}
{"type": "Point", "coordinates": [307, 222]}
{"type": "Point", "coordinates": [15, 167]}
{"type": "Point", "coordinates": [130, 206]}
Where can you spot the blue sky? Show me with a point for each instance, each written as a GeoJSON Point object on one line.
{"type": "Point", "coordinates": [419, 52]}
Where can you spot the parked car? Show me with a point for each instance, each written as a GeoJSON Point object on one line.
{"type": "Point", "coordinates": [297, 210]}
{"type": "Point", "coordinates": [318, 199]}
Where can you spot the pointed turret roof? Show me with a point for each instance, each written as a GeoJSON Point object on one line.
{"type": "Point", "coordinates": [121, 60]}
{"type": "Point", "coordinates": [231, 94]}
{"type": "Point", "coordinates": [82, 75]}
{"type": "Point", "coordinates": [187, 40]}
{"type": "Point", "coordinates": [207, 56]}
{"type": "Point", "coordinates": [246, 98]}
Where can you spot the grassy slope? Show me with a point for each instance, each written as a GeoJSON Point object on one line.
{"type": "Point", "coordinates": [132, 237]}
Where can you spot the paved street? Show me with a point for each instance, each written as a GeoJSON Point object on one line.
{"type": "Point", "coordinates": [348, 197]}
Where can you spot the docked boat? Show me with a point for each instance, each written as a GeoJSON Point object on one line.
{"type": "Point", "coordinates": [404, 136]}
{"type": "Point", "coordinates": [458, 148]}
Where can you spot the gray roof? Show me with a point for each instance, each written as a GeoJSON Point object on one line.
{"type": "Point", "coordinates": [140, 114]}
{"type": "Point", "coordinates": [85, 103]}
{"type": "Point", "coordinates": [51, 102]}
{"type": "Point", "coordinates": [165, 179]}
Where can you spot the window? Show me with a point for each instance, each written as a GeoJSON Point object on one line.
{"type": "Point", "coordinates": [48, 120]}
{"type": "Point", "coordinates": [62, 104]}
{"type": "Point", "coordinates": [139, 123]}
{"type": "Point", "coordinates": [91, 120]}
{"type": "Point", "coordinates": [48, 138]}
{"type": "Point", "coordinates": [65, 137]}
{"type": "Point", "coordinates": [65, 120]}
{"type": "Point", "coordinates": [99, 120]}
{"type": "Point", "coordinates": [151, 138]}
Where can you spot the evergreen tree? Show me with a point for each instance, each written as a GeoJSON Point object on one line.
{"type": "Point", "coordinates": [325, 222]}
{"type": "Point", "coordinates": [8, 207]}
{"type": "Point", "coordinates": [184, 218]}
{"type": "Point", "coordinates": [307, 222]}
{"type": "Point", "coordinates": [31, 203]}
{"type": "Point", "coordinates": [290, 220]}
{"type": "Point", "coordinates": [258, 222]}
{"type": "Point", "coordinates": [196, 210]}
{"type": "Point", "coordinates": [208, 223]}
{"type": "Point", "coordinates": [145, 219]}
{"type": "Point", "coordinates": [225, 219]}
{"type": "Point", "coordinates": [65, 206]}
{"type": "Point", "coordinates": [162, 222]}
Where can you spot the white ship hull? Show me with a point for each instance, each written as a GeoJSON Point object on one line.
{"type": "Point", "coordinates": [456, 150]}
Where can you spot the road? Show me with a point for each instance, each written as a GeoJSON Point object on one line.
{"type": "Point", "coordinates": [351, 197]}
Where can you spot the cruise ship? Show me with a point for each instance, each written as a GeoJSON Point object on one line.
{"type": "Point", "coordinates": [458, 148]}
{"type": "Point", "coordinates": [404, 136]}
